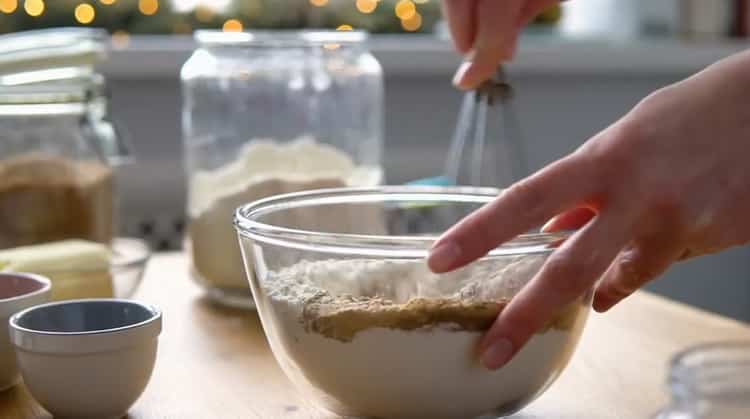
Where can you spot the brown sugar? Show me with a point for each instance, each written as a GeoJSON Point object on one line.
{"type": "Point", "coordinates": [47, 198]}
{"type": "Point", "coordinates": [342, 318]}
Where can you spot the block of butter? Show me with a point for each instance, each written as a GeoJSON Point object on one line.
{"type": "Point", "coordinates": [77, 268]}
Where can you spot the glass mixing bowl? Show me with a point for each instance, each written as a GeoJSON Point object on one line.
{"type": "Point", "coordinates": [364, 329]}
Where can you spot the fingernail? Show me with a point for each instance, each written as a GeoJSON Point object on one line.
{"type": "Point", "coordinates": [443, 257]}
{"type": "Point", "coordinates": [498, 354]}
{"type": "Point", "coordinates": [547, 225]}
{"type": "Point", "coordinates": [603, 303]}
{"type": "Point", "coordinates": [458, 78]}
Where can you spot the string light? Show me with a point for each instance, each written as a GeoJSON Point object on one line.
{"type": "Point", "coordinates": [107, 2]}
{"type": "Point", "coordinates": [413, 24]}
{"type": "Point", "coordinates": [405, 9]}
{"type": "Point", "coordinates": [345, 27]}
{"type": "Point", "coordinates": [319, 3]}
{"type": "Point", "coordinates": [84, 13]}
{"type": "Point", "coordinates": [8, 6]}
{"type": "Point", "coordinates": [148, 7]}
{"type": "Point", "coordinates": [232, 25]}
{"type": "Point", "coordinates": [34, 7]}
{"type": "Point", "coordinates": [367, 6]}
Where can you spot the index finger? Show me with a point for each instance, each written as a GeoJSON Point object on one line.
{"type": "Point", "coordinates": [573, 269]}
{"type": "Point", "coordinates": [461, 17]}
{"type": "Point", "coordinates": [497, 33]}
{"type": "Point", "coordinates": [523, 206]}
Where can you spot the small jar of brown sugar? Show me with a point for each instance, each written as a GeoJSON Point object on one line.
{"type": "Point", "coordinates": [58, 146]}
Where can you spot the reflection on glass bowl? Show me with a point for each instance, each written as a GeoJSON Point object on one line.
{"type": "Point", "coordinates": [129, 259]}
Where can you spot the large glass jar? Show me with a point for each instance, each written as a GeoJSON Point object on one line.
{"type": "Point", "coordinates": [57, 145]}
{"type": "Point", "coordinates": [710, 382]}
{"type": "Point", "coordinates": [266, 113]}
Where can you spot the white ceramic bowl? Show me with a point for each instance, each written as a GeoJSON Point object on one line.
{"type": "Point", "coordinates": [87, 358]}
{"type": "Point", "coordinates": [17, 292]}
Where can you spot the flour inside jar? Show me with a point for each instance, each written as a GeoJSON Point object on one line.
{"type": "Point", "coordinates": [262, 168]}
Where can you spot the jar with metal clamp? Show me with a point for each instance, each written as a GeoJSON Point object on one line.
{"type": "Point", "coordinates": [710, 382]}
{"type": "Point", "coordinates": [58, 146]}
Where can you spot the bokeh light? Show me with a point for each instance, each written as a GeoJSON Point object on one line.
{"type": "Point", "coordinates": [204, 13]}
{"type": "Point", "coordinates": [120, 39]}
{"type": "Point", "coordinates": [34, 7]}
{"type": "Point", "coordinates": [232, 25]}
{"type": "Point", "coordinates": [367, 6]}
{"type": "Point", "coordinates": [84, 13]}
{"type": "Point", "coordinates": [405, 9]}
{"type": "Point", "coordinates": [413, 24]}
{"type": "Point", "coordinates": [148, 7]}
{"type": "Point", "coordinates": [107, 2]}
{"type": "Point", "coordinates": [345, 27]}
{"type": "Point", "coordinates": [8, 6]}
{"type": "Point", "coordinates": [319, 3]}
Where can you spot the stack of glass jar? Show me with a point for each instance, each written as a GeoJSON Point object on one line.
{"type": "Point", "coordinates": [267, 113]}
{"type": "Point", "coordinates": [57, 144]}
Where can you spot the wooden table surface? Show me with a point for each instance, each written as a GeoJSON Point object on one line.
{"type": "Point", "coordinates": [215, 363]}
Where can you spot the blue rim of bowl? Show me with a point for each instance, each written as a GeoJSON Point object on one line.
{"type": "Point", "coordinates": [400, 247]}
{"type": "Point", "coordinates": [46, 285]}
{"type": "Point", "coordinates": [156, 314]}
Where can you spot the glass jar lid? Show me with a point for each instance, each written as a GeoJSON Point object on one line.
{"type": "Point", "coordinates": [51, 66]}
{"type": "Point", "coordinates": [51, 48]}
{"type": "Point", "coordinates": [215, 38]}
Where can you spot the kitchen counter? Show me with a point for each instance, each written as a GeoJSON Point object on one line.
{"type": "Point", "coordinates": [215, 363]}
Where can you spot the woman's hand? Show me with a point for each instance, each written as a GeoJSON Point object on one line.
{"type": "Point", "coordinates": [668, 181]}
{"type": "Point", "coordinates": [486, 32]}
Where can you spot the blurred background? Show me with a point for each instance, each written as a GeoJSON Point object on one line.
{"type": "Point", "coordinates": [579, 67]}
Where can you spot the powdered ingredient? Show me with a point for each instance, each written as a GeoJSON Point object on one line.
{"type": "Point", "coordinates": [389, 339]}
{"type": "Point", "coordinates": [46, 198]}
{"type": "Point", "coordinates": [262, 168]}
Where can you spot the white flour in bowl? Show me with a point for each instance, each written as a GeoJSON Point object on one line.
{"type": "Point", "coordinates": [263, 168]}
{"type": "Point", "coordinates": [389, 339]}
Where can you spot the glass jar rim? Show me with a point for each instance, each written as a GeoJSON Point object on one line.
{"type": "Point", "coordinates": [278, 38]}
{"type": "Point", "coordinates": [50, 38]}
{"type": "Point", "coordinates": [404, 247]}
{"type": "Point", "coordinates": [51, 86]}
{"type": "Point", "coordinates": [51, 66]}
{"type": "Point", "coordinates": [699, 372]}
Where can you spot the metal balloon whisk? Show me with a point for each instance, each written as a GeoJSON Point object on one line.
{"type": "Point", "coordinates": [487, 148]}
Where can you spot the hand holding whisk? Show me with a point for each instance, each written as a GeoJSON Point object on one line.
{"type": "Point", "coordinates": [487, 148]}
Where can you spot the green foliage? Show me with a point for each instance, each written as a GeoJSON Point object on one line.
{"type": "Point", "coordinates": [254, 14]}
